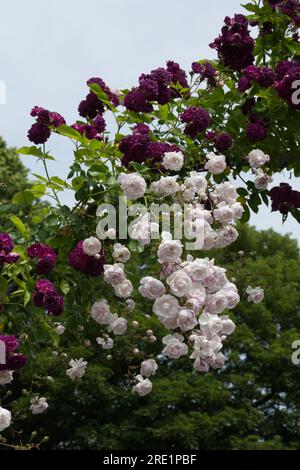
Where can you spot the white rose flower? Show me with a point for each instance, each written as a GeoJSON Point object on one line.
{"type": "Point", "coordinates": [133, 185]}
{"type": "Point", "coordinates": [214, 278]}
{"type": "Point", "coordinates": [262, 180]}
{"type": "Point", "coordinates": [121, 253]}
{"type": "Point", "coordinates": [77, 369]}
{"type": "Point", "coordinates": [226, 236]}
{"type": "Point", "coordinates": [151, 288]}
{"type": "Point", "coordinates": [209, 237]}
{"type": "Point", "coordinates": [6, 377]}
{"type": "Point", "coordinates": [186, 319]}
{"type": "Point", "coordinates": [105, 343]}
{"type": "Point", "coordinates": [210, 324]}
{"type": "Point", "coordinates": [124, 290]}
{"type": "Point", "coordinates": [111, 234]}
{"type": "Point", "coordinates": [118, 326]}
{"type": "Point", "coordinates": [5, 418]}
{"type": "Point", "coordinates": [169, 250]}
{"type": "Point", "coordinates": [206, 348]}
{"type": "Point", "coordinates": [197, 182]}
{"type": "Point", "coordinates": [231, 294]}
{"type": "Point", "coordinates": [60, 329]}
{"type": "Point", "coordinates": [91, 246]}
{"type": "Point", "coordinates": [224, 214]}
{"type": "Point", "coordinates": [143, 387]}
{"type": "Point", "coordinates": [166, 186]}
{"type": "Point", "coordinates": [174, 346]}
{"type": "Point", "coordinates": [257, 158]}
{"type": "Point", "coordinates": [167, 309]}
{"type": "Point", "coordinates": [173, 161]}
{"type": "Point", "coordinates": [101, 313]}
{"type": "Point", "coordinates": [114, 273]}
{"type": "Point", "coordinates": [215, 164]}
{"type": "Point", "coordinates": [197, 269]}
{"type": "Point", "coordinates": [228, 326]}
{"type": "Point", "coordinates": [197, 297]}
{"type": "Point", "coordinates": [38, 405]}
{"type": "Point", "coordinates": [237, 209]}
{"type": "Point", "coordinates": [224, 192]}
{"type": "Point", "coordinates": [148, 367]}
{"type": "Point", "coordinates": [142, 229]}
{"type": "Point", "coordinates": [216, 302]}
{"type": "Point", "coordinates": [180, 283]}
{"type": "Point", "coordinates": [130, 304]}
{"type": "Point", "coordinates": [256, 295]}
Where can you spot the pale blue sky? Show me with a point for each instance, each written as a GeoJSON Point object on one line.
{"type": "Point", "coordinates": [49, 49]}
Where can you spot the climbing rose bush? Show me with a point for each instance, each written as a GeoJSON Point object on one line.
{"type": "Point", "coordinates": [153, 197]}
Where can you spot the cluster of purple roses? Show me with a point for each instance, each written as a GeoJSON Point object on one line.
{"type": "Point", "coordinates": [284, 198]}
{"type": "Point", "coordinates": [46, 296]}
{"type": "Point", "coordinates": [290, 8]}
{"type": "Point", "coordinates": [89, 265]}
{"type": "Point", "coordinates": [6, 247]}
{"type": "Point", "coordinates": [46, 257]}
{"type": "Point", "coordinates": [13, 360]}
{"type": "Point", "coordinates": [45, 121]}
{"type": "Point", "coordinates": [156, 86]}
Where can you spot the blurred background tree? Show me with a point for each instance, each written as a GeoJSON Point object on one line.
{"type": "Point", "coordinates": [17, 193]}
{"type": "Point", "coordinates": [252, 403]}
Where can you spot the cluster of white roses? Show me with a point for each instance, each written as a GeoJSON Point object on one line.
{"type": "Point", "coordinates": [195, 292]}
{"type": "Point", "coordinates": [257, 158]}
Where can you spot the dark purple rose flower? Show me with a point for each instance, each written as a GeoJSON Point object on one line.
{"type": "Point", "coordinates": [149, 87]}
{"type": "Point", "coordinates": [256, 129]}
{"type": "Point", "coordinates": [16, 361]}
{"type": "Point", "coordinates": [54, 303]}
{"type": "Point", "coordinates": [244, 84]}
{"type": "Point", "coordinates": [223, 142]}
{"type": "Point", "coordinates": [266, 77]}
{"type": "Point", "coordinates": [286, 75]}
{"type": "Point", "coordinates": [252, 72]}
{"type": "Point", "coordinates": [90, 265]}
{"type": "Point", "coordinates": [90, 107]}
{"type": "Point", "coordinates": [45, 265]}
{"type": "Point", "coordinates": [11, 342]}
{"type": "Point", "coordinates": [11, 258]}
{"type": "Point", "coordinates": [206, 71]}
{"type": "Point", "coordinates": [177, 74]}
{"type": "Point", "coordinates": [136, 101]}
{"type": "Point", "coordinates": [235, 45]}
{"type": "Point", "coordinates": [248, 105]}
{"type": "Point", "coordinates": [113, 98]}
{"type": "Point", "coordinates": [99, 123]}
{"type": "Point", "coordinates": [38, 133]}
{"type": "Point", "coordinates": [134, 147]}
{"type": "Point", "coordinates": [90, 132]}
{"type": "Point", "coordinates": [284, 198]}
{"type": "Point", "coordinates": [156, 150]}
{"type": "Point", "coordinates": [43, 286]}
{"type": "Point", "coordinates": [197, 120]}
{"type": "Point", "coordinates": [141, 129]}
{"type": "Point", "coordinates": [6, 243]}
{"type": "Point", "coordinates": [38, 299]}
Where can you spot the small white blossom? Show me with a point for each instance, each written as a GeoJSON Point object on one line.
{"type": "Point", "coordinates": [143, 387]}
{"type": "Point", "coordinates": [151, 288]}
{"type": "Point", "coordinates": [174, 346]}
{"type": "Point", "coordinates": [91, 246]}
{"type": "Point", "coordinates": [106, 343]}
{"type": "Point", "coordinates": [124, 290]}
{"type": "Point", "coordinates": [257, 158]}
{"type": "Point", "coordinates": [133, 185]}
{"type": "Point", "coordinates": [215, 164]}
{"type": "Point", "coordinates": [118, 326]}
{"type": "Point", "coordinates": [101, 312]}
{"type": "Point", "coordinates": [121, 253]}
{"type": "Point", "coordinates": [180, 283]}
{"type": "Point", "coordinates": [148, 367]}
{"type": "Point", "coordinates": [38, 405]}
{"type": "Point", "coordinates": [60, 329]}
{"type": "Point", "coordinates": [167, 309]}
{"type": "Point", "coordinates": [5, 418]}
{"type": "Point", "coordinates": [77, 368]}
{"type": "Point", "coordinates": [114, 273]}
{"type": "Point", "coordinates": [173, 161]}
{"type": "Point", "coordinates": [169, 250]}
{"type": "Point", "coordinates": [256, 295]}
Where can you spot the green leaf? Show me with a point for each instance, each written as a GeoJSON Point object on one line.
{"type": "Point", "coordinates": [23, 198]}
{"type": "Point", "coordinates": [26, 298]}
{"type": "Point", "coordinates": [33, 150]}
{"type": "Point", "coordinates": [20, 226]}
{"type": "Point", "coordinates": [68, 131]}
{"type": "Point", "coordinates": [246, 215]}
{"type": "Point", "coordinates": [65, 287]}
{"type": "Point", "coordinates": [100, 93]}
{"type": "Point", "coordinates": [38, 190]}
